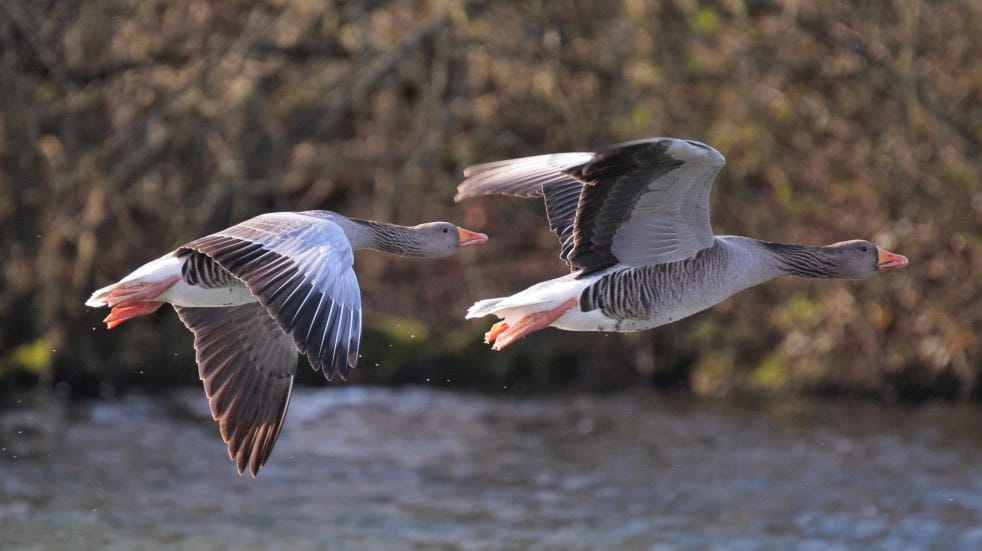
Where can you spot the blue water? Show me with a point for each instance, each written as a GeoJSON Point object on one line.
{"type": "Point", "coordinates": [367, 468]}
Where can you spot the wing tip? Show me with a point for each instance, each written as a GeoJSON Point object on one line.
{"type": "Point", "coordinates": [693, 151]}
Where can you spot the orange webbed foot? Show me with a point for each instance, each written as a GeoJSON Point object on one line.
{"type": "Point", "coordinates": [130, 310]}
{"type": "Point", "coordinates": [128, 293]}
{"type": "Point", "coordinates": [496, 330]}
{"type": "Point", "coordinates": [529, 324]}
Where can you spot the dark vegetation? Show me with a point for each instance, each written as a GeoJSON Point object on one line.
{"type": "Point", "coordinates": [128, 128]}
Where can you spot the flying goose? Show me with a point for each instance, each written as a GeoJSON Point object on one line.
{"type": "Point", "coordinates": [255, 293]}
{"type": "Point", "coordinates": [633, 224]}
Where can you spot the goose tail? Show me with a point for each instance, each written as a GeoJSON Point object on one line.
{"type": "Point", "coordinates": [483, 308]}
{"type": "Point", "coordinates": [139, 293]}
{"type": "Point", "coordinates": [100, 298]}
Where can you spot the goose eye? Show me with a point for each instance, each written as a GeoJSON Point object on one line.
{"type": "Point", "coordinates": [445, 230]}
{"type": "Point", "coordinates": [865, 249]}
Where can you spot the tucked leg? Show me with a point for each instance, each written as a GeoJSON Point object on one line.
{"type": "Point", "coordinates": [135, 299]}
{"type": "Point", "coordinates": [130, 310]}
{"type": "Point", "coordinates": [139, 290]}
{"type": "Point", "coordinates": [528, 324]}
{"type": "Point", "coordinates": [496, 330]}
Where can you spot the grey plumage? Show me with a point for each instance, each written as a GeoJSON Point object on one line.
{"type": "Point", "coordinates": [327, 330]}
{"type": "Point", "coordinates": [640, 293]}
{"type": "Point", "coordinates": [804, 261]}
{"type": "Point", "coordinates": [199, 269]}
{"type": "Point", "coordinates": [638, 239]}
{"type": "Point", "coordinates": [256, 293]}
{"type": "Point", "coordinates": [391, 238]}
{"type": "Point", "coordinates": [636, 203]}
{"type": "Point", "coordinates": [246, 365]}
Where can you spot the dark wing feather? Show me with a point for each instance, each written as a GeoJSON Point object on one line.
{"type": "Point", "coordinates": [300, 267]}
{"type": "Point", "coordinates": [615, 180]}
{"type": "Point", "coordinates": [544, 176]}
{"type": "Point", "coordinates": [655, 209]}
{"type": "Point", "coordinates": [636, 203]}
{"type": "Point", "coordinates": [246, 364]}
{"type": "Point", "coordinates": [562, 200]}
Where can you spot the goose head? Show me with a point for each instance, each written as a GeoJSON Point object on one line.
{"type": "Point", "coordinates": [439, 239]}
{"type": "Point", "coordinates": [859, 259]}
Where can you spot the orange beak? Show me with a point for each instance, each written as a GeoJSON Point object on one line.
{"type": "Point", "coordinates": [470, 238]}
{"type": "Point", "coordinates": [887, 260]}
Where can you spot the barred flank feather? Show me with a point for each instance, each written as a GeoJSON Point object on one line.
{"type": "Point", "coordinates": [199, 269]}
{"type": "Point", "coordinates": [638, 293]}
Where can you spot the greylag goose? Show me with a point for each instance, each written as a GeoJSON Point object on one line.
{"type": "Point", "coordinates": [255, 293]}
{"type": "Point", "coordinates": [633, 224]}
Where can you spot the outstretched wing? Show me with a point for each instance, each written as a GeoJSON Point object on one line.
{"type": "Point", "coordinates": [299, 266]}
{"type": "Point", "coordinates": [646, 202]}
{"type": "Point", "coordinates": [540, 176]}
{"type": "Point", "coordinates": [247, 365]}
{"type": "Point", "coordinates": [639, 203]}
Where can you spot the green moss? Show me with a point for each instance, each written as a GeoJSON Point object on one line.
{"type": "Point", "coordinates": [800, 312]}
{"type": "Point", "coordinates": [784, 194]}
{"type": "Point", "coordinates": [33, 357]}
{"type": "Point", "coordinates": [705, 20]}
{"type": "Point", "coordinates": [636, 121]}
{"type": "Point", "coordinates": [772, 374]}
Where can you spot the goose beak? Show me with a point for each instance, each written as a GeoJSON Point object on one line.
{"type": "Point", "coordinates": [887, 260]}
{"type": "Point", "coordinates": [470, 238]}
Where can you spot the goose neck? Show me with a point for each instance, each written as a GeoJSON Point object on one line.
{"type": "Point", "coordinates": [802, 260]}
{"type": "Point", "coordinates": [381, 236]}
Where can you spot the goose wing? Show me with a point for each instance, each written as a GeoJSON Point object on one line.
{"type": "Point", "coordinates": [246, 364]}
{"type": "Point", "coordinates": [639, 203]}
{"type": "Point", "coordinates": [300, 267]}
{"type": "Point", "coordinates": [540, 176]}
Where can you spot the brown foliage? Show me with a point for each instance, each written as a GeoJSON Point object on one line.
{"type": "Point", "coordinates": [127, 128]}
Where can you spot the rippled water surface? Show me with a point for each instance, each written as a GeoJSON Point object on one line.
{"type": "Point", "coordinates": [366, 468]}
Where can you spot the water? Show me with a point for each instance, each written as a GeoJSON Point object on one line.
{"type": "Point", "coordinates": [367, 468]}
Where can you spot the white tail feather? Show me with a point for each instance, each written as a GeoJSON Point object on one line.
{"type": "Point", "coordinates": [98, 298]}
{"type": "Point", "coordinates": [153, 271]}
{"type": "Point", "coordinates": [483, 308]}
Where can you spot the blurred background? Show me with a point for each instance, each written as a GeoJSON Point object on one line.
{"type": "Point", "coordinates": [128, 128]}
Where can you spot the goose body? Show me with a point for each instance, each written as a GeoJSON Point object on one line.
{"type": "Point", "coordinates": [256, 293]}
{"type": "Point", "coordinates": [633, 224]}
{"type": "Point", "coordinates": [625, 299]}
